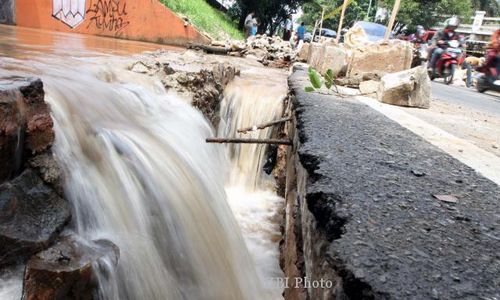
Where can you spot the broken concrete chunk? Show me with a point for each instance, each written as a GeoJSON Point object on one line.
{"type": "Point", "coordinates": [315, 55]}
{"type": "Point", "coordinates": [407, 88]}
{"type": "Point", "coordinates": [25, 123]}
{"type": "Point", "coordinates": [392, 56]}
{"type": "Point", "coordinates": [334, 58]}
{"type": "Point", "coordinates": [31, 216]}
{"type": "Point", "coordinates": [369, 87]}
{"type": "Point", "coordinates": [303, 53]}
{"type": "Point", "coordinates": [65, 271]}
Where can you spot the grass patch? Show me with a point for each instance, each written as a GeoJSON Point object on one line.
{"type": "Point", "coordinates": [206, 18]}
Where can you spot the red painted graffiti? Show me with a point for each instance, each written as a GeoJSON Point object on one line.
{"type": "Point", "coordinates": [108, 15]}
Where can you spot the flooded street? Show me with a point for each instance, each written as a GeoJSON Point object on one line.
{"type": "Point", "coordinates": [191, 220]}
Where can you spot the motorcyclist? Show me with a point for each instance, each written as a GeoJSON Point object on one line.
{"type": "Point", "coordinates": [491, 66]}
{"type": "Point", "coordinates": [441, 38]}
{"type": "Point", "coordinates": [419, 36]}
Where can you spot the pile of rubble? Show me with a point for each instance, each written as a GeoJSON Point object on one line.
{"type": "Point", "coordinates": [379, 70]}
{"type": "Point", "coordinates": [268, 50]}
{"type": "Point", "coordinates": [202, 83]}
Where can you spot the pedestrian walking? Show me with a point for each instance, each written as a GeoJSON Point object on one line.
{"type": "Point", "coordinates": [255, 26]}
{"type": "Point", "coordinates": [301, 32]}
{"type": "Point", "coordinates": [249, 24]}
{"type": "Point", "coordinates": [287, 33]}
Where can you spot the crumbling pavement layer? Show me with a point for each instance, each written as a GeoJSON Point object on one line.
{"type": "Point", "coordinates": [371, 187]}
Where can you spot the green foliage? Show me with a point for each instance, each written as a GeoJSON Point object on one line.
{"type": "Point", "coordinates": [317, 81]}
{"type": "Point", "coordinates": [206, 18]}
{"type": "Point", "coordinates": [356, 11]}
{"type": "Point", "coordinates": [329, 78]}
{"type": "Point", "coordinates": [315, 78]}
{"type": "Point", "coordinates": [492, 7]}
{"type": "Point", "coordinates": [427, 12]}
{"type": "Point", "coordinates": [270, 13]}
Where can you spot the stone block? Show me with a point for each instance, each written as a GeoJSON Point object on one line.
{"type": "Point", "coordinates": [65, 271]}
{"type": "Point", "coordinates": [334, 57]}
{"type": "Point", "coordinates": [369, 87]}
{"type": "Point", "coordinates": [315, 55]}
{"type": "Point", "coordinates": [406, 88]}
{"type": "Point", "coordinates": [31, 217]}
{"type": "Point", "coordinates": [393, 56]}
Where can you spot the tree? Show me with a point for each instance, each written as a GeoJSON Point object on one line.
{"type": "Point", "coordinates": [427, 12]}
{"type": "Point", "coordinates": [491, 7]}
{"type": "Point", "coordinates": [271, 13]}
{"type": "Point", "coordinates": [356, 11]}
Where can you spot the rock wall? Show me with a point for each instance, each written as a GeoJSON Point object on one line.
{"type": "Point", "coordinates": [25, 124]}
{"type": "Point", "coordinates": [142, 20]}
{"type": "Point", "coordinates": [32, 212]}
{"type": "Point", "coordinates": [193, 76]}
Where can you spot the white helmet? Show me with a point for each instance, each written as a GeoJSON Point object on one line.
{"type": "Point", "coordinates": [452, 22]}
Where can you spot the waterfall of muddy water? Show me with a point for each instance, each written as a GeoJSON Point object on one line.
{"type": "Point", "coordinates": [252, 193]}
{"type": "Point", "coordinates": [139, 173]}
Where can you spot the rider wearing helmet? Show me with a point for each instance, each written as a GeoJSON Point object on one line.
{"type": "Point", "coordinates": [442, 37]}
{"type": "Point", "coordinates": [419, 36]}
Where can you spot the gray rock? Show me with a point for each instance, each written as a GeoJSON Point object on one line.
{"type": "Point", "coordinates": [369, 87]}
{"type": "Point", "coordinates": [65, 271]}
{"type": "Point", "coordinates": [25, 126]}
{"type": "Point", "coordinates": [407, 88]}
{"type": "Point", "coordinates": [31, 217]}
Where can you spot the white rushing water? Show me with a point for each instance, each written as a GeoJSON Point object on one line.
{"type": "Point", "coordinates": [251, 193]}
{"type": "Point", "coordinates": [139, 173]}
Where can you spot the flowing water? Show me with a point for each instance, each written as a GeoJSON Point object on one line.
{"type": "Point", "coordinates": [139, 173]}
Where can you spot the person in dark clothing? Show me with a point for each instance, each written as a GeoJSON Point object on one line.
{"type": "Point", "coordinates": [441, 38]}
{"type": "Point", "coordinates": [287, 33]}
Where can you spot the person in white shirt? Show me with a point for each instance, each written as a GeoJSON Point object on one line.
{"type": "Point", "coordinates": [249, 24]}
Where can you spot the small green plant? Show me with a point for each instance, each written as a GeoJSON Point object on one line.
{"type": "Point", "coordinates": [317, 80]}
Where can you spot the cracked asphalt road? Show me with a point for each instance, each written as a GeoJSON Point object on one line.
{"type": "Point", "coordinates": [397, 240]}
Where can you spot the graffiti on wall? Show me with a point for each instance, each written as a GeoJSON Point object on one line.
{"type": "Point", "coordinates": [70, 12]}
{"type": "Point", "coordinates": [110, 15]}
{"type": "Point", "coordinates": [104, 15]}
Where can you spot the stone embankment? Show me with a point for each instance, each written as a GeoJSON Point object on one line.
{"type": "Point", "coordinates": [33, 211]}
{"type": "Point", "coordinates": [270, 51]}
{"type": "Point", "coordinates": [365, 209]}
{"type": "Point", "coordinates": [200, 82]}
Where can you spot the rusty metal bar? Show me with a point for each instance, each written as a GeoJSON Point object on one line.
{"type": "Point", "coordinates": [265, 125]}
{"type": "Point", "coordinates": [249, 141]}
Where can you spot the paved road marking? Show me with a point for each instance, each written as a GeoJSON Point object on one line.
{"type": "Point", "coordinates": [482, 161]}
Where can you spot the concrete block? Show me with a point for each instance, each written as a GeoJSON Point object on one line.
{"type": "Point", "coordinates": [393, 56]}
{"type": "Point", "coordinates": [407, 88]}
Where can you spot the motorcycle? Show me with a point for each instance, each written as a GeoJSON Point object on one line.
{"type": "Point", "coordinates": [447, 63]}
{"type": "Point", "coordinates": [490, 77]}
{"type": "Point", "coordinates": [420, 55]}
{"type": "Point", "coordinates": [484, 84]}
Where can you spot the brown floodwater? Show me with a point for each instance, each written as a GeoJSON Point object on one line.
{"type": "Point", "coordinates": [25, 43]}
